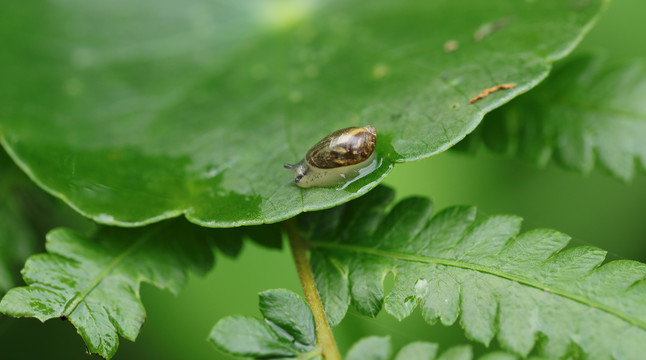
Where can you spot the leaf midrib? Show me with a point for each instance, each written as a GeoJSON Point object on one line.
{"type": "Point", "coordinates": [71, 307]}
{"type": "Point", "coordinates": [486, 270]}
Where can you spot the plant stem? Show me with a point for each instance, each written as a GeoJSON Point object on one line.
{"type": "Point", "coordinates": [324, 335]}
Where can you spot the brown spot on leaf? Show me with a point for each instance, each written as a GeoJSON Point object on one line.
{"type": "Point", "coordinates": [490, 90]}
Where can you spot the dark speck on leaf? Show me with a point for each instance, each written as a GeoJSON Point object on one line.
{"type": "Point", "coordinates": [580, 5]}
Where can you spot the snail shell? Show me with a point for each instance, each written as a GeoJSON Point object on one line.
{"type": "Point", "coordinates": [336, 157]}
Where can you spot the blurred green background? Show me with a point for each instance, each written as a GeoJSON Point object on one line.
{"type": "Point", "coordinates": [595, 210]}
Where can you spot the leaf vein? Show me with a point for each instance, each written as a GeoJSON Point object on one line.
{"type": "Point", "coordinates": [71, 306]}
{"type": "Point", "coordinates": [485, 270]}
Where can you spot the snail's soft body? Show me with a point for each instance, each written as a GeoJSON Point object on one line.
{"type": "Point", "coordinates": [336, 158]}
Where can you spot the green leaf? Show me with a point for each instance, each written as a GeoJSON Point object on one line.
{"type": "Point", "coordinates": [498, 355]}
{"type": "Point", "coordinates": [334, 283]}
{"type": "Point", "coordinates": [458, 353]}
{"type": "Point", "coordinates": [418, 350]}
{"type": "Point", "coordinates": [286, 331]}
{"type": "Point", "coordinates": [370, 348]}
{"type": "Point", "coordinates": [94, 281]}
{"type": "Point", "coordinates": [587, 111]}
{"type": "Point", "coordinates": [134, 112]}
{"type": "Point", "coordinates": [290, 312]}
{"type": "Point", "coordinates": [482, 271]}
{"type": "Point", "coordinates": [378, 348]}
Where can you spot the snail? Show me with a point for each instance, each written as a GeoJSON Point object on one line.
{"type": "Point", "coordinates": [336, 158]}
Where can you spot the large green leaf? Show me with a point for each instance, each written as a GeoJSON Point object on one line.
{"type": "Point", "coordinates": [137, 111]}
{"type": "Point", "coordinates": [585, 111]}
{"type": "Point", "coordinates": [524, 289]}
{"type": "Point", "coordinates": [94, 281]}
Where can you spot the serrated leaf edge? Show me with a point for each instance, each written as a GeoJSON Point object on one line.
{"type": "Point", "coordinates": [482, 269]}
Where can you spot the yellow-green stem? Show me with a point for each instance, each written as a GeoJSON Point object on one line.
{"type": "Point", "coordinates": [324, 335]}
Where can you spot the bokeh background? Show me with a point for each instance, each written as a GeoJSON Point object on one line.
{"type": "Point", "coordinates": [594, 209]}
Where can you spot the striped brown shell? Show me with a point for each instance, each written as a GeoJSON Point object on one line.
{"type": "Point", "coordinates": [343, 147]}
